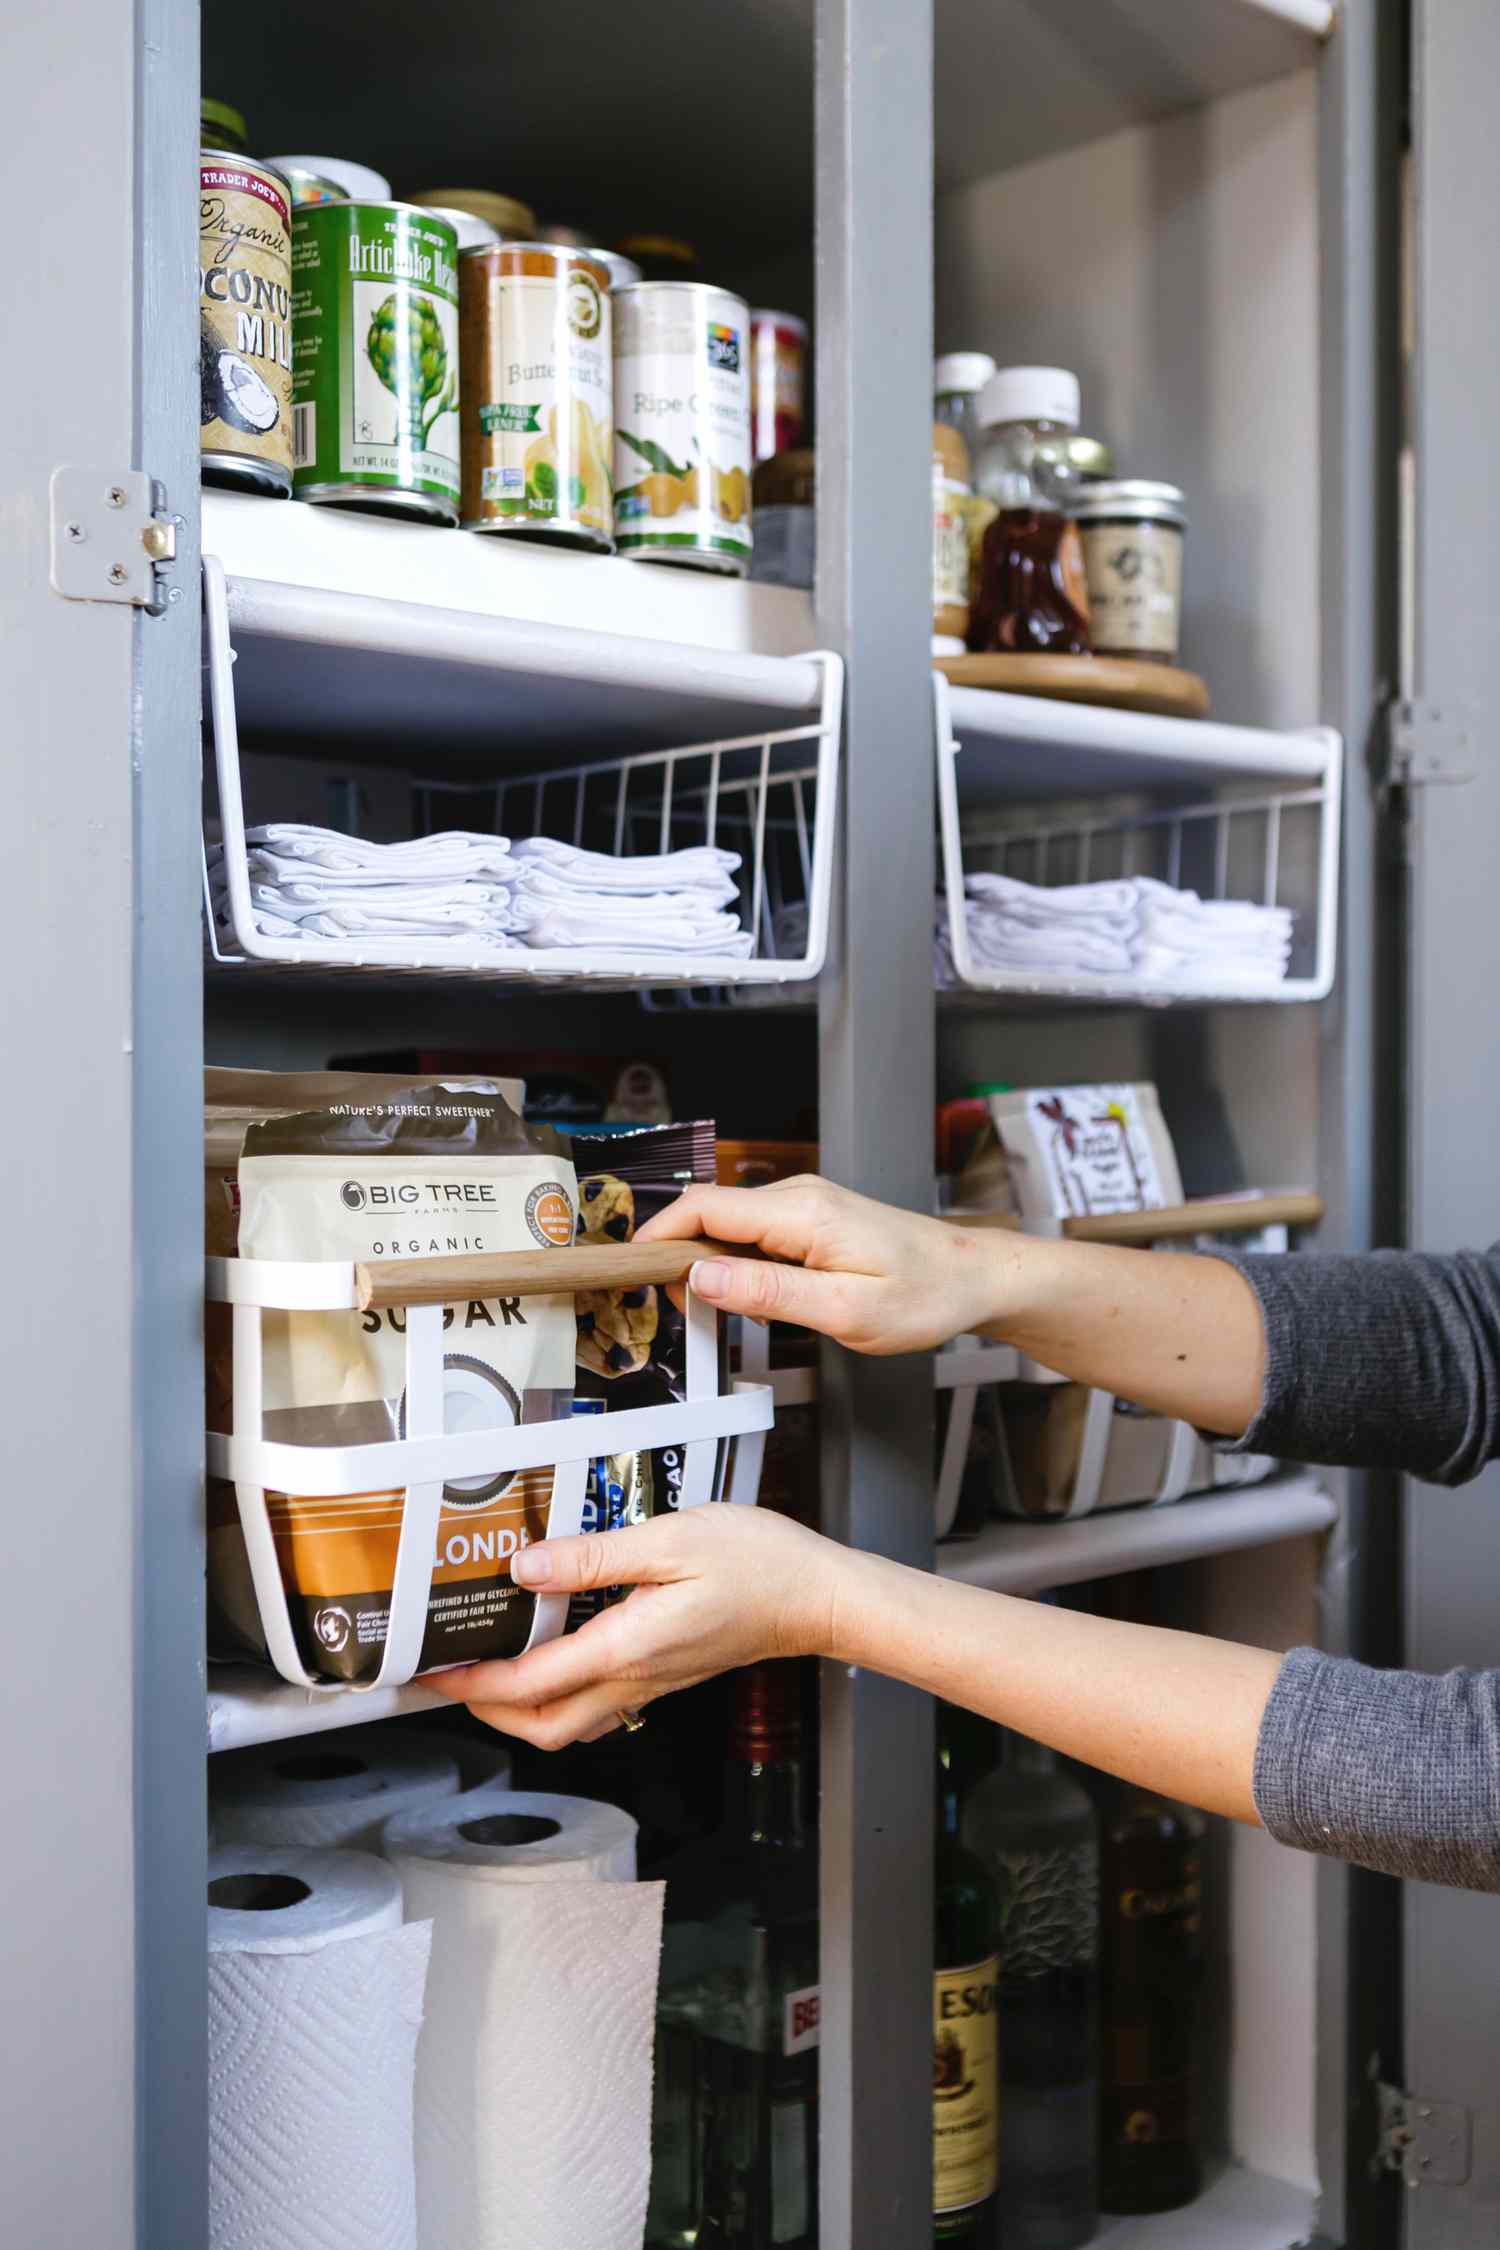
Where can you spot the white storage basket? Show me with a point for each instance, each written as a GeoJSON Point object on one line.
{"type": "Point", "coordinates": [1056, 793]}
{"type": "Point", "coordinates": [426, 1459]}
{"type": "Point", "coordinates": [770, 796]}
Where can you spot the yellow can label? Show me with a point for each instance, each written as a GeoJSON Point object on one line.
{"type": "Point", "coordinates": [965, 2084]}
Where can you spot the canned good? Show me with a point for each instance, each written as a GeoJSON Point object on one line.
{"type": "Point", "coordinates": [375, 300]}
{"type": "Point", "coordinates": [778, 382]}
{"type": "Point", "coordinates": [221, 127]}
{"type": "Point", "coordinates": [361, 183]}
{"type": "Point", "coordinates": [312, 187]}
{"type": "Point", "coordinates": [682, 441]}
{"type": "Point", "coordinates": [472, 233]}
{"type": "Point", "coordinates": [538, 393]}
{"type": "Point", "coordinates": [784, 491]}
{"type": "Point", "coordinates": [1132, 533]}
{"type": "Point", "coordinates": [245, 323]}
{"type": "Point", "coordinates": [512, 220]}
{"type": "Point", "coordinates": [661, 257]}
{"type": "Point", "coordinates": [622, 271]}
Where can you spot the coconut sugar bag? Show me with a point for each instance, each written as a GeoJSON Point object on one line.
{"type": "Point", "coordinates": [430, 1171]}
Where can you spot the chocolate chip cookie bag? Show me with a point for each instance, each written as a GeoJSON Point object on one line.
{"type": "Point", "coordinates": [632, 1346]}
{"type": "Point", "coordinates": [435, 1170]}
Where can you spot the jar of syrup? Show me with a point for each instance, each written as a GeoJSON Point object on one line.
{"type": "Point", "coordinates": [1024, 604]}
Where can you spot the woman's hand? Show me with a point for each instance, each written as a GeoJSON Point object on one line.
{"type": "Point", "coordinates": [872, 1277]}
{"type": "Point", "coordinates": [715, 1587]}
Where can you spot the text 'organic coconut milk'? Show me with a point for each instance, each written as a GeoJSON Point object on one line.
{"type": "Point", "coordinates": [245, 330]}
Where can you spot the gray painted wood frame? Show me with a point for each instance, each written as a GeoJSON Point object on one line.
{"type": "Point", "coordinates": [876, 1090]}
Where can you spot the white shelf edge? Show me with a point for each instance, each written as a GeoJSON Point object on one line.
{"type": "Point", "coordinates": [1315, 17]}
{"type": "Point", "coordinates": [1240, 2210]}
{"type": "Point", "coordinates": [247, 1705]}
{"type": "Point", "coordinates": [1134, 991]}
{"type": "Point", "coordinates": [360, 623]}
{"type": "Point", "coordinates": [1207, 747]}
{"type": "Point", "coordinates": [1032, 1558]}
{"type": "Point", "coordinates": [333, 551]}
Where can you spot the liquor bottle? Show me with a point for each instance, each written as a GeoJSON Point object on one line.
{"type": "Point", "coordinates": [965, 1992]}
{"type": "Point", "coordinates": [735, 2125]}
{"type": "Point", "coordinates": [1036, 1832]}
{"type": "Point", "coordinates": [1152, 1967]}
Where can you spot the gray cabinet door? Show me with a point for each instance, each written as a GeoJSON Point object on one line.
{"type": "Point", "coordinates": [1452, 1576]}
{"type": "Point", "coordinates": [101, 1944]}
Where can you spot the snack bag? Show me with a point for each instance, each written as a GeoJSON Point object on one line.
{"type": "Point", "coordinates": [632, 1347]}
{"type": "Point", "coordinates": [434, 1170]}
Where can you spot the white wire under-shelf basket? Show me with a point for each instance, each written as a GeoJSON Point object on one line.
{"type": "Point", "coordinates": [771, 797]}
{"type": "Point", "coordinates": [1214, 828]}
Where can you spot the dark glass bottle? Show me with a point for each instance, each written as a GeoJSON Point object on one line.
{"type": "Point", "coordinates": [1036, 1832]}
{"type": "Point", "coordinates": [735, 2125]}
{"type": "Point", "coordinates": [1152, 1970]}
{"type": "Point", "coordinates": [965, 1995]}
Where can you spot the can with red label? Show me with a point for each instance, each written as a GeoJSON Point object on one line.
{"type": "Point", "coordinates": [778, 382]}
{"type": "Point", "coordinates": [245, 323]}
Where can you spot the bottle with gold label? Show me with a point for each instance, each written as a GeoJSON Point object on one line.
{"type": "Point", "coordinates": [1151, 1949]}
{"type": "Point", "coordinates": [965, 2061]}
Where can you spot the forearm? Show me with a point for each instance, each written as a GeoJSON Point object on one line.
{"type": "Point", "coordinates": [1173, 1712]}
{"type": "Point", "coordinates": [1181, 1335]}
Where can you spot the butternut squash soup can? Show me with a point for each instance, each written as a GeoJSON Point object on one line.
{"type": "Point", "coordinates": [534, 328]}
{"type": "Point", "coordinates": [682, 426]}
{"type": "Point", "coordinates": [244, 323]}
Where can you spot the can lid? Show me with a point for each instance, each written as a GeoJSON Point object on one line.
{"type": "Point", "coordinates": [1131, 499]}
{"type": "Point", "coordinates": [473, 233]}
{"type": "Point", "coordinates": [511, 219]}
{"type": "Point", "coordinates": [223, 118]}
{"type": "Point", "coordinates": [360, 182]}
{"type": "Point", "coordinates": [563, 236]}
{"type": "Point", "coordinates": [782, 319]}
{"type": "Point", "coordinates": [1030, 394]}
{"type": "Point", "coordinates": [668, 246]}
{"type": "Point", "coordinates": [961, 371]}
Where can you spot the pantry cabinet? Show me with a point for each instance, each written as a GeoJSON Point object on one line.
{"type": "Point", "coordinates": [1194, 203]}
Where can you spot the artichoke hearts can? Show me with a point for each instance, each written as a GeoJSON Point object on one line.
{"type": "Point", "coordinates": [245, 323]}
{"type": "Point", "coordinates": [682, 425]}
{"type": "Point", "coordinates": [538, 393]}
{"type": "Point", "coordinates": [375, 303]}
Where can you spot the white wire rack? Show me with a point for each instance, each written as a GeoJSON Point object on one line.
{"type": "Point", "coordinates": [1250, 816]}
{"type": "Point", "coordinates": [427, 1458]}
{"type": "Point", "coordinates": [769, 796]}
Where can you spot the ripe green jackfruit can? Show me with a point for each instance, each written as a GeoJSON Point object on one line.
{"type": "Point", "coordinates": [375, 379]}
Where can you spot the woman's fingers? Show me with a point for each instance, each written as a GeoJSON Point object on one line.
{"type": "Point", "coordinates": [648, 1553]}
{"type": "Point", "coordinates": [571, 1718]}
{"type": "Point", "coordinates": [557, 1668]}
{"type": "Point", "coordinates": [829, 1302]}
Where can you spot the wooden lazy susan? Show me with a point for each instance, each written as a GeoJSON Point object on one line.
{"type": "Point", "coordinates": [1123, 683]}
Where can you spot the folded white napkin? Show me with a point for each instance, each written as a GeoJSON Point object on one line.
{"type": "Point", "coordinates": [698, 867]}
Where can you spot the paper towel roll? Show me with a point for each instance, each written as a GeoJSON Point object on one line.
{"type": "Point", "coordinates": [335, 1789]}
{"type": "Point", "coordinates": [534, 2066]}
{"type": "Point", "coordinates": [314, 2004]}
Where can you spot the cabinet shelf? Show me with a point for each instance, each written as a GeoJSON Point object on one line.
{"type": "Point", "coordinates": [247, 1705]}
{"type": "Point", "coordinates": [1240, 2210]}
{"type": "Point", "coordinates": [1032, 1558]}
{"type": "Point", "coordinates": [353, 630]}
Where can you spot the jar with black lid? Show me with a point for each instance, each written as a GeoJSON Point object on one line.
{"type": "Point", "coordinates": [1132, 531]}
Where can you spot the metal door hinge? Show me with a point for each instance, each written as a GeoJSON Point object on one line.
{"type": "Point", "coordinates": [1428, 2143]}
{"type": "Point", "coordinates": [1426, 744]}
{"type": "Point", "coordinates": [113, 539]}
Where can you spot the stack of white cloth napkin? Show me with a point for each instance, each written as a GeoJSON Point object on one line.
{"type": "Point", "coordinates": [668, 902]}
{"type": "Point", "coordinates": [1131, 927]}
{"type": "Point", "coordinates": [314, 884]}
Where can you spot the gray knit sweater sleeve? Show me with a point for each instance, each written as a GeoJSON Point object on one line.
{"type": "Point", "coordinates": [1393, 1361]}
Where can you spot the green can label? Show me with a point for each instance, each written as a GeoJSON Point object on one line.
{"type": "Point", "coordinates": [375, 375]}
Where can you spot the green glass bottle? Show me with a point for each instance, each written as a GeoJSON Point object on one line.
{"type": "Point", "coordinates": [965, 1995]}
{"type": "Point", "coordinates": [1152, 1960]}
